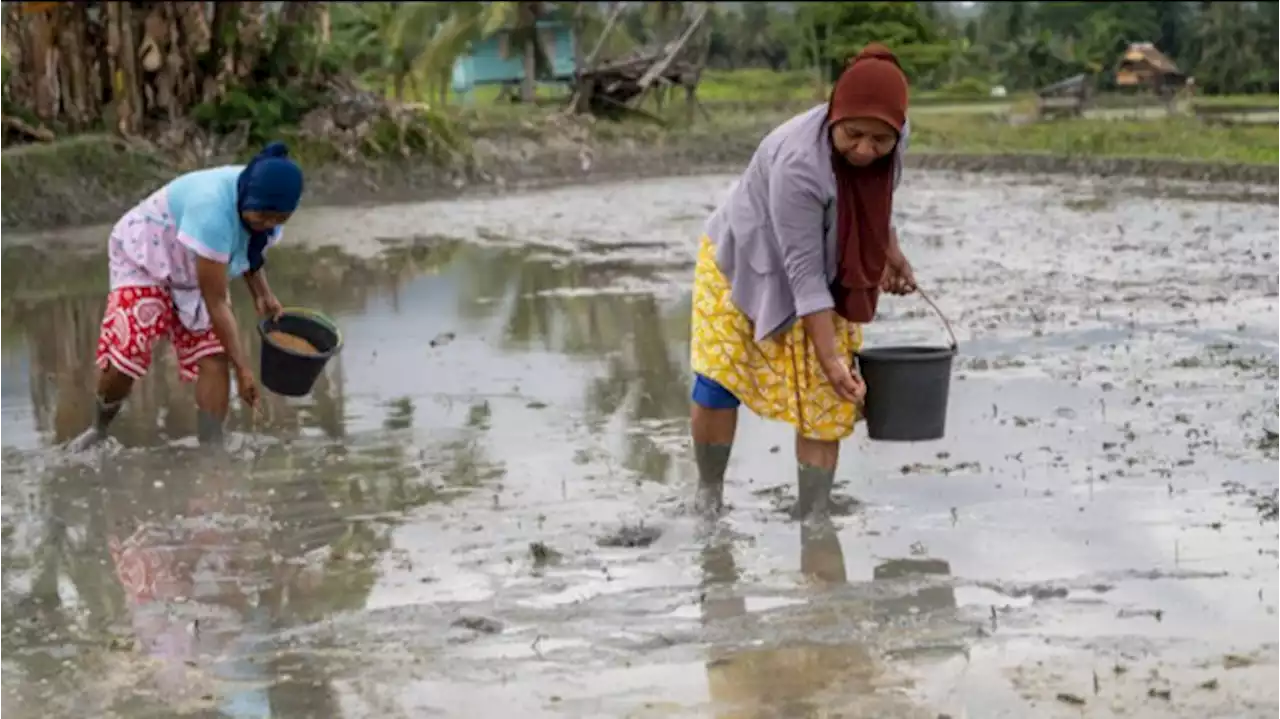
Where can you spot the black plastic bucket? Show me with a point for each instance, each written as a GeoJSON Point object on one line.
{"type": "Point", "coordinates": [907, 389]}
{"type": "Point", "coordinates": [290, 373]}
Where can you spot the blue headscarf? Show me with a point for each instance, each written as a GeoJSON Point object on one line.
{"type": "Point", "coordinates": [271, 182]}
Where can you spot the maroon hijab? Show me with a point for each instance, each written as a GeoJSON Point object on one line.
{"type": "Point", "coordinates": [874, 86]}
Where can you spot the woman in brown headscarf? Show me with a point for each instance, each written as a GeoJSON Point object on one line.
{"type": "Point", "coordinates": [805, 235]}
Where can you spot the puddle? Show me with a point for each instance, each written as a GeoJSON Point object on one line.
{"type": "Point", "coordinates": [479, 509]}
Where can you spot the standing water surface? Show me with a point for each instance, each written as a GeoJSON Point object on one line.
{"type": "Point", "coordinates": [480, 509]}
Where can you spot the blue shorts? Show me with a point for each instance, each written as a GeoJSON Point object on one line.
{"type": "Point", "coordinates": [712, 395]}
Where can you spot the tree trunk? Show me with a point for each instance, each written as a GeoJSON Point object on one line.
{"type": "Point", "coordinates": [249, 35]}
{"type": "Point", "coordinates": [221, 55]}
{"type": "Point", "coordinates": [529, 83]}
{"type": "Point", "coordinates": [18, 54]}
{"type": "Point", "coordinates": [75, 74]}
{"type": "Point", "coordinates": [42, 55]}
{"type": "Point", "coordinates": [125, 87]}
{"type": "Point", "coordinates": [529, 23]}
{"type": "Point", "coordinates": [190, 39]}
{"type": "Point", "coordinates": [324, 24]}
{"type": "Point", "coordinates": [579, 28]}
{"type": "Point", "coordinates": [161, 67]}
{"type": "Point", "coordinates": [293, 35]}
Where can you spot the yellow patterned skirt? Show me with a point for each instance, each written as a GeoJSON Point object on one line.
{"type": "Point", "coordinates": [779, 378]}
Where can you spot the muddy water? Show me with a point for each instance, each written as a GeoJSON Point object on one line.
{"type": "Point", "coordinates": [478, 512]}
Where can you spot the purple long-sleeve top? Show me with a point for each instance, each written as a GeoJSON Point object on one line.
{"type": "Point", "coordinates": [775, 234]}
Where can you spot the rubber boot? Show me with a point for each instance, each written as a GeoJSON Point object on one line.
{"type": "Point", "coordinates": [712, 461]}
{"type": "Point", "coordinates": [103, 414]}
{"type": "Point", "coordinates": [814, 496]}
{"type": "Point", "coordinates": [208, 429]}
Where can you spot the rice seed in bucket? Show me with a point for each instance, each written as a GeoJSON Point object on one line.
{"type": "Point", "coordinates": [293, 343]}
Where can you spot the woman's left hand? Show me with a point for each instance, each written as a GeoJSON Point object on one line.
{"type": "Point", "coordinates": [898, 278]}
{"type": "Point", "coordinates": [268, 306]}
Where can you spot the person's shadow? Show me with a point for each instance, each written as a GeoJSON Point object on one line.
{"type": "Point", "coordinates": [818, 670]}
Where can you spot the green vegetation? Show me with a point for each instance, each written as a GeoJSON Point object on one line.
{"type": "Point", "coordinates": [761, 85]}
{"type": "Point", "coordinates": [1175, 138]}
{"type": "Point", "coordinates": [359, 81]}
{"type": "Point", "coordinates": [57, 183]}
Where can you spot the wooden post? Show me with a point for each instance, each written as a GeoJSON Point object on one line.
{"type": "Point", "coordinates": [579, 21]}
{"type": "Point", "coordinates": [659, 67]}
{"type": "Point", "coordinates": [581, 98]}
{"type": "Point", "coordinates": [691, 88]}
{"type": "Point", "coordinates": [528, 22]}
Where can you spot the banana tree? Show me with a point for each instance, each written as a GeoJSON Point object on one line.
{"type": "Point", "coordinates": [424, 40]}
{"type": "Point", "coordinates": [470, 23]}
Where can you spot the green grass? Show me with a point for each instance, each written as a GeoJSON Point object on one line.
{"type": "Point", "coordinates": [1168, 138]}
{"type": "Point", "coordinates": [969, 127]}
{"type": "Point", "coordinates": [760, 94]}
{"type": "Point", "coordinates": [58, 181]}
{"type": "Point", "coordinates": [761, 86]}
{"type": "Point", "coordinates": [1259, 101]}
{"type": "Point", "coordinates": [758, 85]}
{"type": "Point", "coordinates": [724, 127]}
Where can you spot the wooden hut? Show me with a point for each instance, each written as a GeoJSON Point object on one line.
{"type": "Point", "coordinates": [1144, 67]}
{"type": "Point", "coordinates": [494, 60]}
{"type": "Point", "coordinates": [1070, 97]}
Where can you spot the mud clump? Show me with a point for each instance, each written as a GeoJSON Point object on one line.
{"type": "Point", "coordinates": [292, 343]}
{"type": "Point", "coordinates": [631, 536]}
{"type": "Point", "coordinates": [543, 555]}
{"type": "Point", "coordinates": [482, 625]}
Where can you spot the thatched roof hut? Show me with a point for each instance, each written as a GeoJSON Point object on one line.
{"type": "Point", "coordinates": [1142, 65]}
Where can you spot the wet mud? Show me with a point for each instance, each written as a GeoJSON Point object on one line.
{"type": "Point", "coordinates": [481, 509]}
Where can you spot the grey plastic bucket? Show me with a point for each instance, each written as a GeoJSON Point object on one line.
{"type": "Point", "coordinates": [907, 388]}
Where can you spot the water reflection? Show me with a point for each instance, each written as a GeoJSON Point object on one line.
{"type": "Point", "coordinates": [154, 580]}
{"type": "Point", "coordinates": [813, 660]}
{"type": "Point", "coordinates": [194, 564]}
{"type": "Point", "coordinates": [55, 320]}
{"type": "Point", "coordinates": [914, 600]}
{"type": "Point", "coordinates": [170, 573]}
{"type": "Point", "coordinates": [52, 321]}
{"type": "Point", "coordinates": [642, 343]}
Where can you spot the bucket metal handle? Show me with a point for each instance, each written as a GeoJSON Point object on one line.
{"type": "Point", "coordinates": [945, 322]}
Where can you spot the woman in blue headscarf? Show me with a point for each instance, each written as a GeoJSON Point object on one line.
{"type": "Point", "coordinates": [171, 261]}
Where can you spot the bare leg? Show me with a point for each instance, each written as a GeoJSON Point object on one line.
{"type": "Point", "coordinates": [713, 431]}
{"type": "Point", "coordinates": [213, 397]}
{"type": "Point", "coordinates": [113, 387]}
{"type": "Point", "coordinates": [816, 472]}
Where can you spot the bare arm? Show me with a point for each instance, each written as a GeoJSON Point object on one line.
{"type": "Point", "coordinates": [821, 327]}
{"type": "Point", "coordinates": [212, 277]}
{"type": "Point", "coordinates": [257, 283]}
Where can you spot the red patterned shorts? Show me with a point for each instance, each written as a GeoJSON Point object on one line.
{"type": "Point", "coordinates": [136, 318]}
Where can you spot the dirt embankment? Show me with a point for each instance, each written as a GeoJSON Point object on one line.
{"type": "Point", "coordinates": [94, 179]}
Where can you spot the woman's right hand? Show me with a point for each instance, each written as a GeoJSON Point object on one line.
{"type": "Point", "coordinates": [846, 381]}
